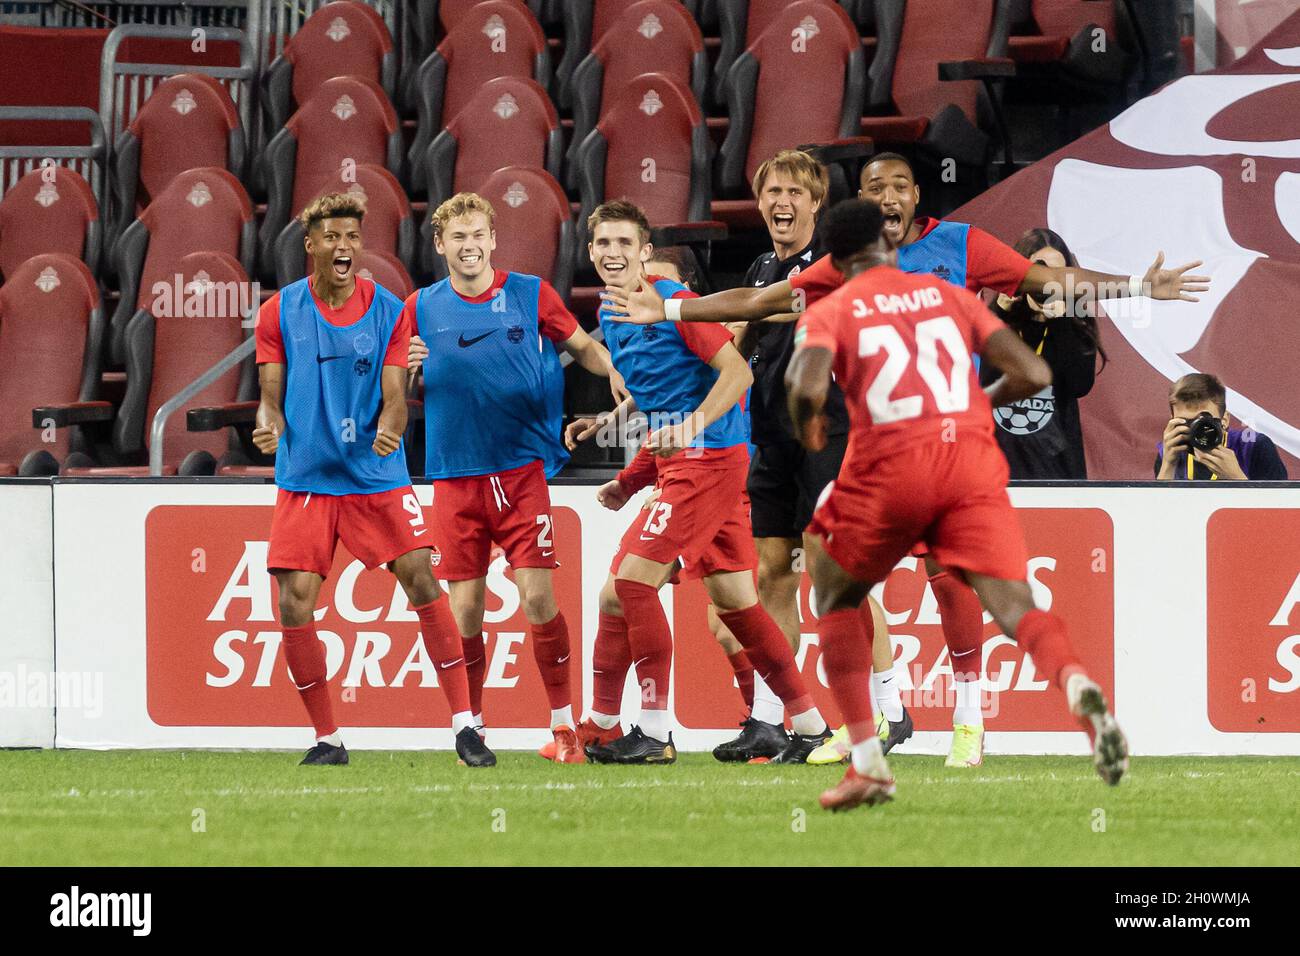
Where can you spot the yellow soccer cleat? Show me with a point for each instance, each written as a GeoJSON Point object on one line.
{"type": "Point", "coordinates": [835, 750]}
{"type": "Point", "coordinates": [967, 746]}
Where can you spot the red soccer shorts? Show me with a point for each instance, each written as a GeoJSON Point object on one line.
{"type": "Point", "coordinates": [376, 528]}
{"type": "Point", "coordinates": [702, 516]}
{"type": "Point", "coordinates": [512, 508]}
{"type": "Point", "coordinates": [951, 496]}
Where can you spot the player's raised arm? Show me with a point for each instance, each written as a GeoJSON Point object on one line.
{"type": "Point", "coordinates": [644, 306]}
{"type": "Point", "coordinates": [1158, 282]}
{"type": "Point", "coordinates": [270, 412]}
{"type": "Point", "coordinates": [1023, 372]}
{"type": "Point", "coordinates": [392, 417]}
{"type": "Point", "coordinates": [807, 380]}
{"type": "Point", "coordinates": [734, 377]}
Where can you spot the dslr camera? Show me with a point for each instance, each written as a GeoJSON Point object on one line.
{"type": "Point", "coordinates": [1205, 432]}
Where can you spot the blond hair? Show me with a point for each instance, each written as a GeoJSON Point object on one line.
{"type": "Point", "coordinates": [462, 204]}
{"type": "Point", "coordinates": [332, 206]}
{"type": "Point", "coordinates": [799, 166]}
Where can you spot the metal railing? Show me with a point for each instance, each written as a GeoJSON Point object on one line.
{"type": "Point", "coordinates": [165, 411]}
{"type": "Point", "coordinates": [125, 86]}
{"type": "Point", "coordinates": [90, 162]}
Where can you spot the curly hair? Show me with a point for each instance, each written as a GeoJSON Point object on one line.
{"type": "Point", "coordinates": [332, 206]}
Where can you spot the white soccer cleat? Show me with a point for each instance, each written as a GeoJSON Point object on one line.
{"type": "Point", "coordinates": [1109, 746]}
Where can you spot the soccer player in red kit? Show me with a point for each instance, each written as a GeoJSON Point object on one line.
{"type": "Point", "coordinates": [493, 401]}
{"type": "Point", "coordinates": [691, 384]}
{"type": "Point", "coordinates": [965, 256]}
{"type": "Point", "coordinates": [922, 466]}
{"type": "Point", "coordinates": [331, 353]}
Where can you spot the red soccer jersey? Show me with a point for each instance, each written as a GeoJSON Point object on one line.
{"type": "Point", "coordinates": [902, 345]}
{"type": "Point", "coordinates": [990, 264]}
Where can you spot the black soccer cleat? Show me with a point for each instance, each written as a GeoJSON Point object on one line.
{"type": "Point", "coordinates": [635, 747]}
{"type": "Point", "coordinates": [799, 746]}
{"type": "Point", "coordinates": [472, 751]}
{"type": "Point", "coordinates": [324, 754]}
{"type": "Point", "coordinates": [757, 739]}
{"type": "Point", "coordinates": [898, 731]}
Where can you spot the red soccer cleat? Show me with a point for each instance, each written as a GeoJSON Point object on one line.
{"type": "Point", "coordinates": [564, 748]}
{"type": "Point", "coordinates": [855, 790]}
{"type": "Point", "coordinates": [591, 735]}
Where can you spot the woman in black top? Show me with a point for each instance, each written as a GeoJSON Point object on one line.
{"type": "Point", "coordinates": [1041, 435]}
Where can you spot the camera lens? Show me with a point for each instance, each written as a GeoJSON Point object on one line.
{"type": "Point", "coordinates": [1205, 432]}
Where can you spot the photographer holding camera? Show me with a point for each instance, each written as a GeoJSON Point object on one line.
{"type": "Point", "coordinates": [1201, 444]}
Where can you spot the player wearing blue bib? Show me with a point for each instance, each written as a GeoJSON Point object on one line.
{"type": "Point", "coordinates": [493, 403]}
{"type": "Point", "coordinates": [690, 384]}
{"type": "Point", "coordinates": [331, 351]}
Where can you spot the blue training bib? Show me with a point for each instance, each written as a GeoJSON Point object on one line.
{"type": "Point", "coordinates": [493, 384]}
{"type": "Point", "coordinates": [333, 396]}
{"type": "Point", "coordinates": [666, 378]}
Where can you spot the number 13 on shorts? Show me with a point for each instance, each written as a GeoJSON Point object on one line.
{"type": "Point", "coordinates": [656, 521]}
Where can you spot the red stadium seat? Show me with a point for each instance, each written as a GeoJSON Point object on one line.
{"type": "Point", "coordinates": [908, 103]}
{"type": "Point", "coordinates": [651, 147]}
{"type": "Point", "coordinates": [509, 122]}
{"type": "Point", "coordinates": [1053, 43]}
{"type": "Point", "coordinates": [202, 209]}
{"type": "Point", "coordinates": [494, 38]}
{"type": "Point", "coordinates": [741, 22]}
{"type": "Point", "coordinates": [802, 81]}
{"type": "Point", "coordinates": [389, 226]}
{"type": "Point", "coordinates": [534, 227]}
{"type": "Point", "coordinates": [49, 210]}
{"type": "Point", "coordinates": [339, 39]}
{"type": "Point", "coordinates": [51, 337]}
{"type": "Point", "coordinates": [656, 33]}
{"type": "Point", "coordinates": [188, 121]}
{"type": "Point", "coordinates": [165, 352]}
{"type": "Point", "coordinates": [387, 270]}
{"type": "Point", "coordinates": [347, 122]}
{"type": "Point", "coordinates": [588, 22]}
{"type": "Point", "coordinates": [447, 13]}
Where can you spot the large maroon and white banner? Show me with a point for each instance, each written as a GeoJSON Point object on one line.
{"type": "Point", "coordinates": [1207, 167]}
{"type": "Point", "coordinates": [1184, 602]}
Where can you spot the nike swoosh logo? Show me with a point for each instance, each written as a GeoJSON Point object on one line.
{"type": "Point", "coordinates": [563, 659]}
{"type": "Point", "coordinates": [420, 532]}
{"type": "Point", "coordinates": [466, 343]}
{"type": "Point", "coordinates": [322, 359]}
{"type": "Point", "coordinates": [547, 554]}
{"type": "Point", "coordinates": [623, 342]}
{"type": "Point", "coordinates": [647, 537]}
{"type": "Point", "coordinates": [452, 663]}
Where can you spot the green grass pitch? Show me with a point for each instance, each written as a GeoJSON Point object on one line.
{"type": "Point", "coordinates": [204, 808]}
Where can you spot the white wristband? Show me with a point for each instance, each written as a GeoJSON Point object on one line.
{"type": "Point", "coordinates": [1135, 286]}
{"type": "Point", "coordinates": [673, 310]}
